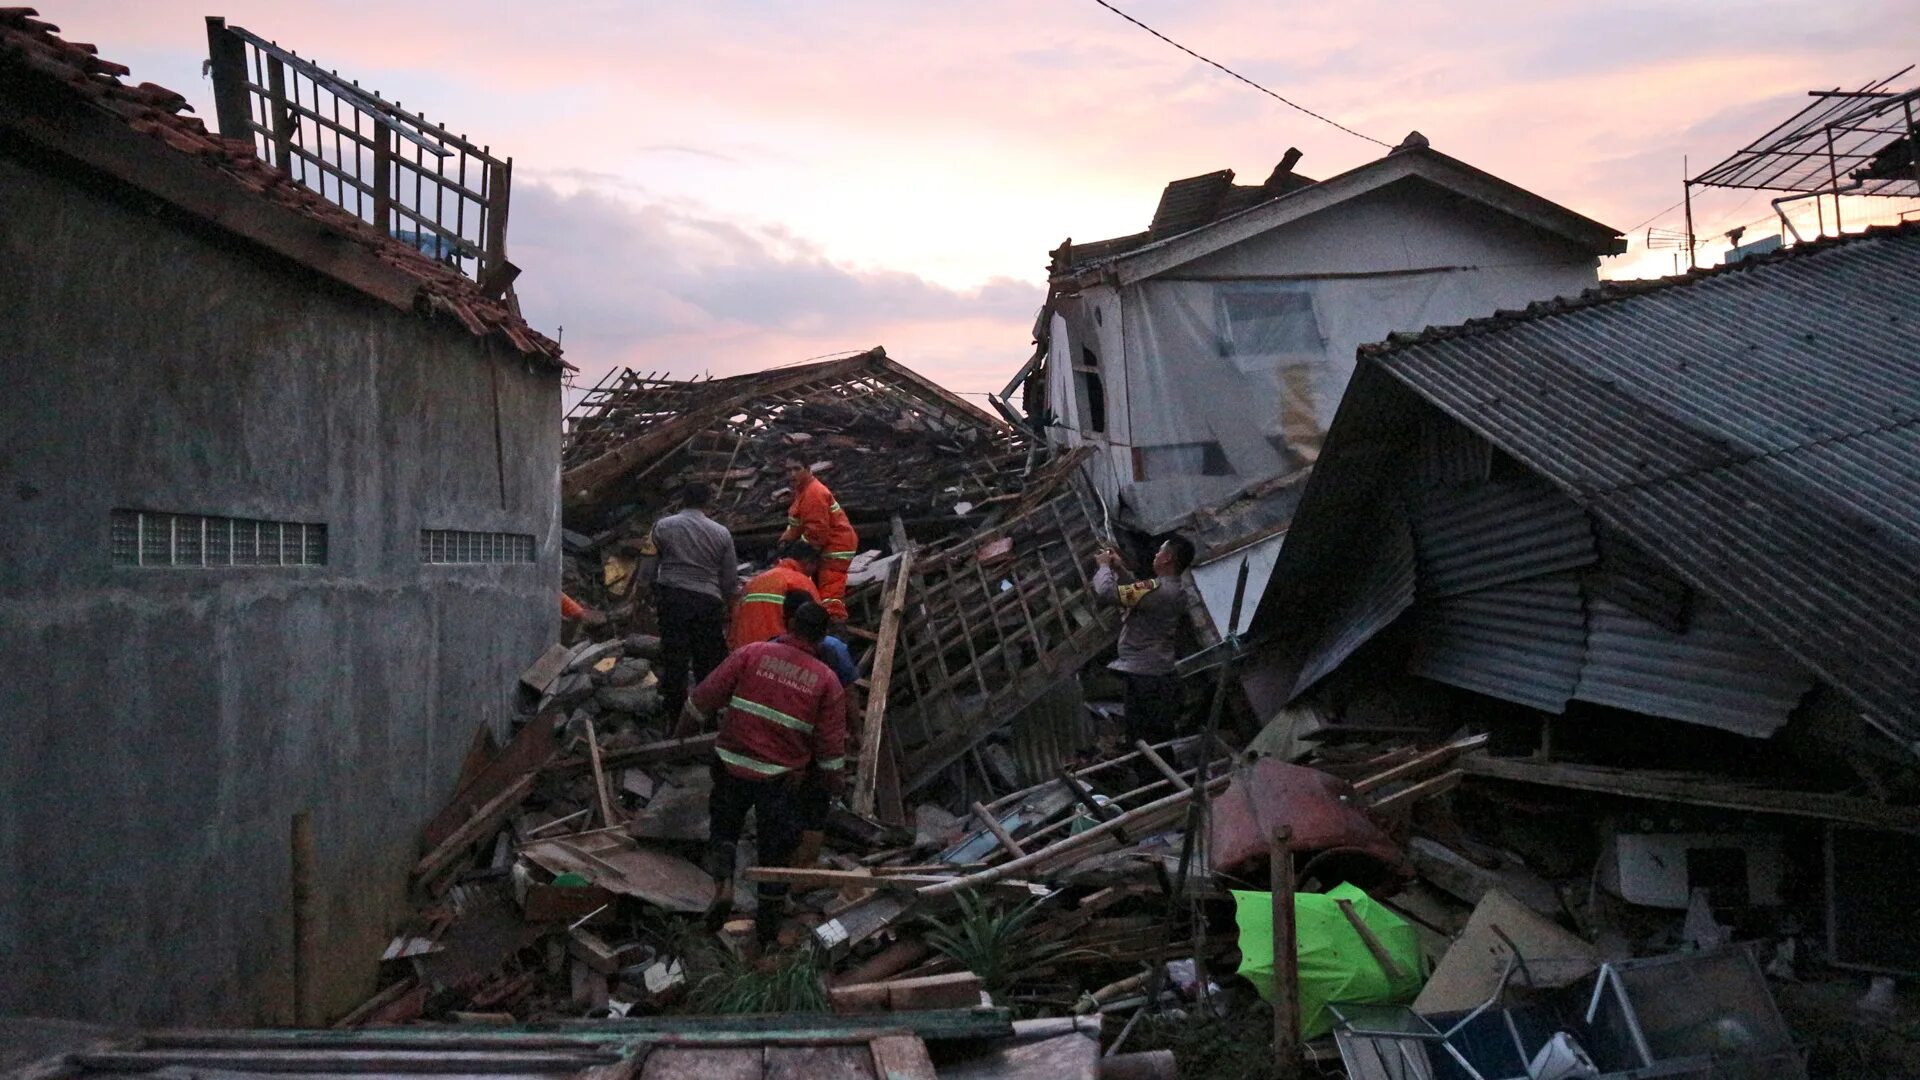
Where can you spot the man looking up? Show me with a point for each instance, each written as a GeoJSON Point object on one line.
{"type": "Point", "coordinates": [694, 572]}
{"type": "Point", "coordinates": [760, 614]}
{"type": "Point", "coordinates": [1153, 610]}
{"type": "Point", "coordinates": [815, 516]}
{"type": "Point", "coordinates": [783, 726]}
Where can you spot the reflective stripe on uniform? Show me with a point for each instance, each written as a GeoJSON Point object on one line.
{"type": "Point", "coordinates": [756, 709]}
{"type": "Point", "coordinates": [832, 763]}
{"type": "Point", "coordinates": [833, 508]}
{"type": "Point", "coordinates": [847, 555]}
{"type": "Point", "coordinates": [763, 598]}
{"type": "Point", "coordinates": [794, 521]}
{"type": "Point", "coordinates": [764, 768]}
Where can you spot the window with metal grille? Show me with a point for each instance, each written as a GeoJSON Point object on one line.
{"type": "Point", "coordinates": [452, 546]}
{"type": "Point", "coordinates": [152, 539]}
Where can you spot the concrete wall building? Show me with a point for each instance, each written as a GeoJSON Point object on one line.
{"type": "Point", "coordinates": [279, 532]}
{"type": "Point", "coordinates": [1205, 356]}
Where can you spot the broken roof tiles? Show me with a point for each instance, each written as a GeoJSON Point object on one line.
{"type": "Point", "coordinates": [33, 57]}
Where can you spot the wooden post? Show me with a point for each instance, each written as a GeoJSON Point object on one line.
{"type": "Point", "coordinates": [499, 189]}
{"type": "Point", "coordinates": [382, 177]}
{"type": "Point", "coordinates": [305, 914]}
{"type": "Point", "coordinates": [1286, 957]}
{"type": "Point", "coordinates": [280, 116]}
{"type": "Point", "coordinates": [599, 778]}
{"type": "Point", "coordinates": [876, 716]}
{"type": "Point", "coordinates": [227, 62]}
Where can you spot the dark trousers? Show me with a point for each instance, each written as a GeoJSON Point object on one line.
{"type": "Point", "coordinates": [693, 631]}
{"type": "Point", "coordinates": [777, 805]}
{"type": "Point", "coordinates": [1153, 704]}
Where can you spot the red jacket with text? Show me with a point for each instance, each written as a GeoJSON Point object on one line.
{"type": "Point", "coordinates": [780, 709]}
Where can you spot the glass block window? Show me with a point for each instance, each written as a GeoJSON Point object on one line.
{"type": "Point", "coordinates": [153, 539]}
{"type": "Point", "coordinates": [453, 546]}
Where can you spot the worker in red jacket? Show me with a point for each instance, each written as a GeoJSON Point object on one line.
{"type": "Point", "coordinates": [783, 726]}
{"type": "Point", "coordinates": [816, 517]}
{"type": "Point", "coordinates": [760, 613]}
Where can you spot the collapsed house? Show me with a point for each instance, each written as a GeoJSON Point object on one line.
{"type": "Point", "coordinates": [280, 531]}
{"type": "Point", "coordinates": [992, 544]}
{"type": "Point", "coordinates": [1202, 358]}
{"type": "Point", "coordinates": [1659, 542]}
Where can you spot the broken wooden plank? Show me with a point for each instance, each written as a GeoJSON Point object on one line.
{"type": "Point", "coordinates": [1172, 803]}
{"type": "Point", "coordinates": [901, 1057]}
{"type": "Point", "coordinates": [530, 748]}
{"type": "Point", "coordinates": [1696, 789]}
{"type": "Point", "coordinates": [685, 749]}
{"type": "Point", "coordinates": [809, 878]}
{"type": "Point", "coordinates": [374, 1004]}
{"type": "Point", "coordinates": [552, 664]}
{"type": "Point", "coordinates": [599, 778]}
{"type": "Point", "coordinates": [483, 822]}
{"type": "Point", "coordinates": [1425, 789]}
{"type": "Point", "coordinates": [614, 861]}
{"type": "Point", "coordinates": [867, 772]}
{"type": "Point", "coordinates": [1422, 763]}
{"type": "Point", "coordinates": [959, 990]}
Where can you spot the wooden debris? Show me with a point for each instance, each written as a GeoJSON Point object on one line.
{"type": "Point", "coordinates": [961, 990]}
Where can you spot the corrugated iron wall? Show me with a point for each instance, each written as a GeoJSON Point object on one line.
{"type": "Point", "coordinates": [1718, 673]}
{"type": "Point", "coordinates": [1523, 599]}
{"type": "Point", "coordinates": [1492, 533]}
{"type": "Point", "coordinates": [1520, 641]}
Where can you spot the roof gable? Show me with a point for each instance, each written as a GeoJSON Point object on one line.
{"type": "Point", "coordinates": [1156, 255]}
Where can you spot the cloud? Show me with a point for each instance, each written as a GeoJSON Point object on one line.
{"type": "Point", "coordinates": [671, 285]}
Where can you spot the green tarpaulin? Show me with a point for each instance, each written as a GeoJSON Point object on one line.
{"type": "Point", "coordinates": [1335, 964]}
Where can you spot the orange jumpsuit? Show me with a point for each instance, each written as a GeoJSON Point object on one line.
{"type": "Point", "coordinates": [760, 613]}
{"type": "Point", "coordinates": [816, 517]}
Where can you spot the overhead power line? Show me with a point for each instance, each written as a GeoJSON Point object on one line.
{"type": "Point", "coordinates": [1242, 78]}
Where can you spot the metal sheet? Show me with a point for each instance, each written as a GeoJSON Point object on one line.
{"type": "Point", "coordinates": [1493, 533]}
{"type": "Point", "coordinates": [1718, 673]}
{"type": "Point", "coordinates": [1376, 598]}
{"type": "Point", "coordinates": [1450, 454]}
{"type": "Point", "coordinates": [1215, 580]}
{"type": "Point", "coordinates": [1523, 641]}
{"type": "Point", "coordinates": [1756, 428]}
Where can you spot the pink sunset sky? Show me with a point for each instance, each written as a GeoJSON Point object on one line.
{"type": "Point", "coordinates": [725, 186]}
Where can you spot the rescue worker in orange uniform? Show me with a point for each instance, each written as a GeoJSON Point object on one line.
{"type": "Point", "coordinates": [783, 730]}
{"type": "Point", "coordinates": [816, 517]}
{"type": "Point", "coordinates": [760, 612]}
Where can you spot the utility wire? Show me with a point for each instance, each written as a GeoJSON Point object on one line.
{"type": "Point", "coordinates": [1242, 78]}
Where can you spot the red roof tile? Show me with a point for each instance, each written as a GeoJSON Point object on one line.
{"type": "Point", "coordinates": [31, 45]}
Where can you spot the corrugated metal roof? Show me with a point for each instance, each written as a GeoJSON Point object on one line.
{"type": "Point", "coordinates": [1491, 533]}
{"type": "Point", "coordinates": [1450, 454]}
{"type": "Point", "coordinates": [1370, 605]}
{"type": "Point", "coordinates": [1718, 673]}
{"type": "Point", "coordinates": [1523, 641]}
{"type": "Point", "coordinates": [1757, 428]}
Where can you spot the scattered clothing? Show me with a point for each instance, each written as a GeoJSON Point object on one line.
{"type": "Point", "coordinates": [570, 609]}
